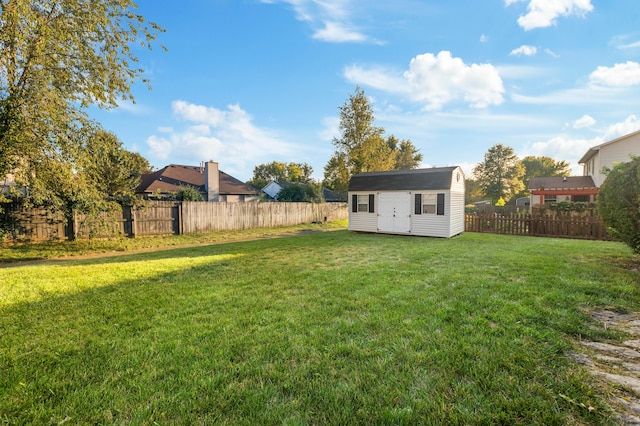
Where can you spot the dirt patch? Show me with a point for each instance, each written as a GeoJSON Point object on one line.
{"type": "Point", "coordinates": [618, 364]}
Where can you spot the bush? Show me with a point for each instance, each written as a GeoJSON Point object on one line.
{"type": "Point", "coordinates": [619, 202]}
{"type": "Point", "coordinates": [301, 193]}
{"type": "Point", "coordinates": [188, 193]}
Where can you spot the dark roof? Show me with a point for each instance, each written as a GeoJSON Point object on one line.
{"type": "Point", "coordinates": [173, 176]}
{"type": "Point", "coordinates": [331, 196]}
{"type": "Point", "coordinates": [561, 182]}
{"type": "Point", "coordinates": [416, 179]}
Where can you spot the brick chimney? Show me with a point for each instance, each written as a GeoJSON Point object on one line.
{"type": "Point", "coordinates": [211, 180]}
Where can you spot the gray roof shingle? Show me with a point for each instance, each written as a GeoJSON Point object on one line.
{"type": "Point", "coordinates": [435, 178]}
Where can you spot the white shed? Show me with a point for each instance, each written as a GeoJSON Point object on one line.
{"type": "Point", "coordinates": [426, 202]}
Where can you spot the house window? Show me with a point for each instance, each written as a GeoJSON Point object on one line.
{"type": "Point", "coordinates": [550, 199]}
{"type": "Point", "coordinates": [362, 203]}
{"type": "Point", "coordinates": [580, 198]}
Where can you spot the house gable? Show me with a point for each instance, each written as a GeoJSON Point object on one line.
{"type": "Point", "coordinates": [608, 154]}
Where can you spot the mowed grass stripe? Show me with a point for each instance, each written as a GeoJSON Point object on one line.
{"type": "Point", "coordinates": [326, 328]}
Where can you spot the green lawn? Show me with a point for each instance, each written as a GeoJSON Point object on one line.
{"type": "Point", "coordinates": [321, 328]}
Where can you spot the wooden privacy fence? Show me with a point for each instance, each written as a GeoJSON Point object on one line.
{"type": "Point", "coordinates": [579, 227]}
{"type": "Point", "coordinates": [164, 217]}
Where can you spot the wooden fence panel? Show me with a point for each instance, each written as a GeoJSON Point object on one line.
{"type": "Point", "coordinates": [36, 224]}
{"type": "Point", "coordinates": [155, 218]}
{"type": "Point", "coordinates": [580, 227]}
{"type": "Point", "coordinates": [211, 217]}
{"type": "Point", "coordinates": [164, 217]}
{"type": "Point", "coordinates": [103, 225]}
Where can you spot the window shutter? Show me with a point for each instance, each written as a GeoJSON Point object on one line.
{"type": "Point", "coordinates": [440, 208]}
{"type": "Point", "coordinates": [418, 209]}
{"type": "Point", "coordinates": [354, 203]}
{"type": "Point", "coordinates": [371, 200]}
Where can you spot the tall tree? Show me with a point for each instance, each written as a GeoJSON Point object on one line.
{"type": "Point", "coordinates": [362, 147]}
{"type": "Point", "coordinates": [57, 58]}
{"type": "Point", "coordinates": [500, 174]}
{"type": "Point", "coordinates": [111, 169]}
{"type": "Point", "coordinates": [283, 172]}
{"type": "Point", "coordinates": [407, 155]}
{"type": "Point", "coordinates": [540, 166]}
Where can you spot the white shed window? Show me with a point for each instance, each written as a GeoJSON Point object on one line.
{"type": "Point", "coordinates": [362, 203]}
{"type": "Point", "coordinates": [429, 203]}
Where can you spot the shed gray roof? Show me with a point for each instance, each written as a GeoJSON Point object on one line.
{"type": "Point", "coordinates": [560, 182]}
{"type": "Point", "coordinates": [398, 180]}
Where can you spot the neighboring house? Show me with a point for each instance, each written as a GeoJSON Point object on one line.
{"type": "Point", "coordinates": [562, 188]}
{"type": "Point", "coordinates": [426, 202]}
{"type": "Point", "coordinates": [213, 184]}
{"type": "Point", "coordinates": [273, 188]}
{"type": "Point", "coordinates": [608, 154]}
{"type": "Point", "coordinates": [523, 203]}
{"type": "Point", "coordinates": [331, 196]}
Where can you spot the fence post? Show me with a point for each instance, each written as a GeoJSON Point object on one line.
{"type": "Point", "coordinates": [133, 222]}
{"type": "Point", "coordinates": [72, 225]}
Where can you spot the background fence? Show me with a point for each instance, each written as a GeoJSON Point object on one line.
{"type": "Point", "coordinates": [559, 226]}
{"type": "Point", "coordinates": [163, 218]}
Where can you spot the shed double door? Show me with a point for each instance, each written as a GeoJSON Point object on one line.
{"type": "Point", "coordinates": [394, 212]}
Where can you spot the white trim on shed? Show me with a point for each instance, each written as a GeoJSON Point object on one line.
{"type": "Point", "coordinates": [425, 202]}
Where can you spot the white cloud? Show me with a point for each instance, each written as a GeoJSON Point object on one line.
{"type": "Point", "coordinates": [436, 80]}
{"type": "Point", "coordinates": [620, 75]}
{"type": "Point", "coordinates": [584, 122]}
{"type": "Point", "coordinates": [443, 78]}
{"type": "Point", "coordinates": [227, 136]}
{"type": "Point", "coordinates": [331, 20]}
{"type": "Point", "coordinates": [337, 32]}
{"type": "Point", "coordinates": [591, 95]}
{"type": "Point", "coordinates": [630, 125]}
{"type": "Point", "coordinates": [562, 148]}
{"type": "Point", "coordinates": [633, 45]}
{"type": "Point", "coordinates": [571, 150]}
{"type": "Point", "coordinates": [331, 128]}
{"type": "Point", "coordinates": [484, 38]}
{"type": "Point", "coordinates": [543, 13]}
{"type": "Point", "coordinates": [130, 107]}
{"type": "Point", "coordinates": [524, 50]}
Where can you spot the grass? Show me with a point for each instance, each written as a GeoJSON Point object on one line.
{"type": "Point", "coordinates": [320, 328]}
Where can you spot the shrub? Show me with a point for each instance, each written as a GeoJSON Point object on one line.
{"type": "Point", "coordinates": [188, 193]}
{"type": "Point", "coordinates": [619, 202]}
{"type": "Point", "coordinates": [301, 193]}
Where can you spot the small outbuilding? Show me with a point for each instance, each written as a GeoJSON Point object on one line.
{"type": "Point", "coordinates": [425, 202]}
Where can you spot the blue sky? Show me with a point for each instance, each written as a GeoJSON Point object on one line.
{"type": "Point", "coordinates": [246, 82]}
